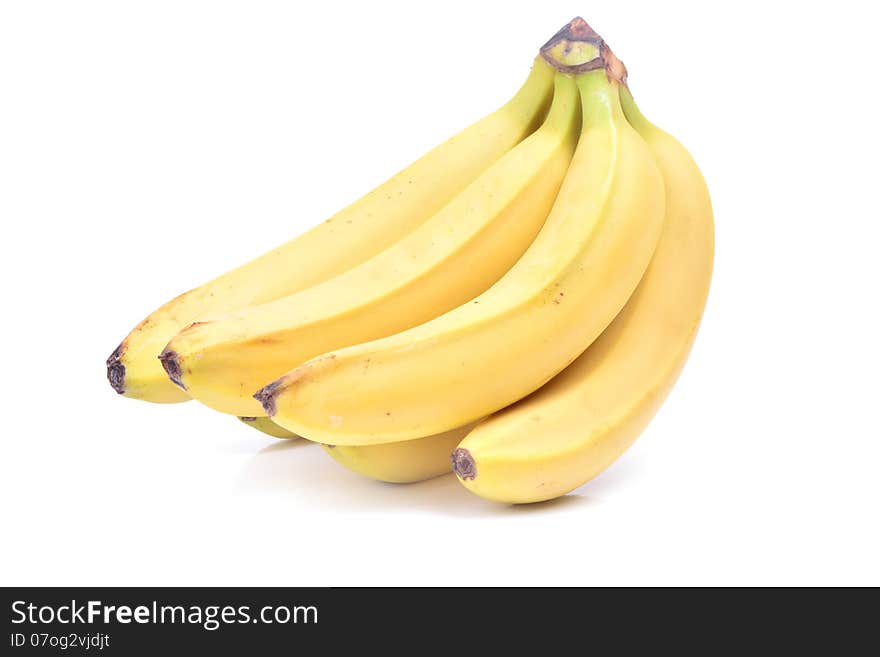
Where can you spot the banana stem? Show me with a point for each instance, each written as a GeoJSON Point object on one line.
{"type": "Point", "coordinates": [540, 77]}
{"type": "Point", "coordinates": [632, 112]}
{"type": "Point", "coordinates": [599, 98]}
{"type": "Point", "coordinates": [565, 96]}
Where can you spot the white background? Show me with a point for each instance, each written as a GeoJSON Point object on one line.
{"type": "Point", "coordinates": [146, 147]}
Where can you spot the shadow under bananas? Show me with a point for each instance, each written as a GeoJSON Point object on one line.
{"type": "Point", "coordinates": [300, 469]}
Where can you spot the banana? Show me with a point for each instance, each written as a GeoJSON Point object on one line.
{"type": "Point", "coordinates": [574, 427]}
{"type": "Point", "coordinates": [267, 426]}
{"type": "Point", "coordinates": [401, 463]}
{"type": "Point", "coordinates": [448, 260]}
{"type": "Point", "coordinates": [509, 341]}
{"type": "Point", "coordinates": [350, 237]}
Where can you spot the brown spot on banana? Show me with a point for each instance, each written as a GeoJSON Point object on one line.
{"type": "Point", "coordinates": [193, 326]}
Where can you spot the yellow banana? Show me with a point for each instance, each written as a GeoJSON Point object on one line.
{"type": "Point", "coordinates": [448, 260]}
{"type": "Point", "coordinates": [401, 463]}
{"type": "Point", "coordinates": [350, 237]}
{"type": "Point", "coordinates": [574, 427]}
{"type": "Point", "coordinates": [267, 426]}
{"type": "Point", "coordinates": [496, 349]}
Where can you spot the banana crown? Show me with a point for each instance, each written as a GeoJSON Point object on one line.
{"type": "Point", "coordinates": [577, 49]}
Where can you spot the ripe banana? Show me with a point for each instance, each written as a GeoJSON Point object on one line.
{"type": "Point", "coordinates": [448, 260]}
{"type": "Point", "coordinates": [509, 341]}
{"type": "Point", "coordinates": [350, 237]}
{"type": "Point", "coordinates": [574, 427]}
{"type": "Point", "coordinates": [267, 426]}
{"type": "Point", "coordinates": [401, 463]}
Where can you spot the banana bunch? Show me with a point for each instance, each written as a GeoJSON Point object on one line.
{"type": "Point", "coordinates": [513, 306]}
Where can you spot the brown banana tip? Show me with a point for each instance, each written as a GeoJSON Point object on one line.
{"type": "Point", "coordinates": [171, 364]}
{"type": "Point", "coordinates": [463, 464]}
{"type": "Point", "coordinates": [116, 370]}
{"type": "Point", "coordinates": [266, 396]}
{"type": "Point", "coordinates": [577, 31]}
{"type": "Point", "coordinates": [247, 418]}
